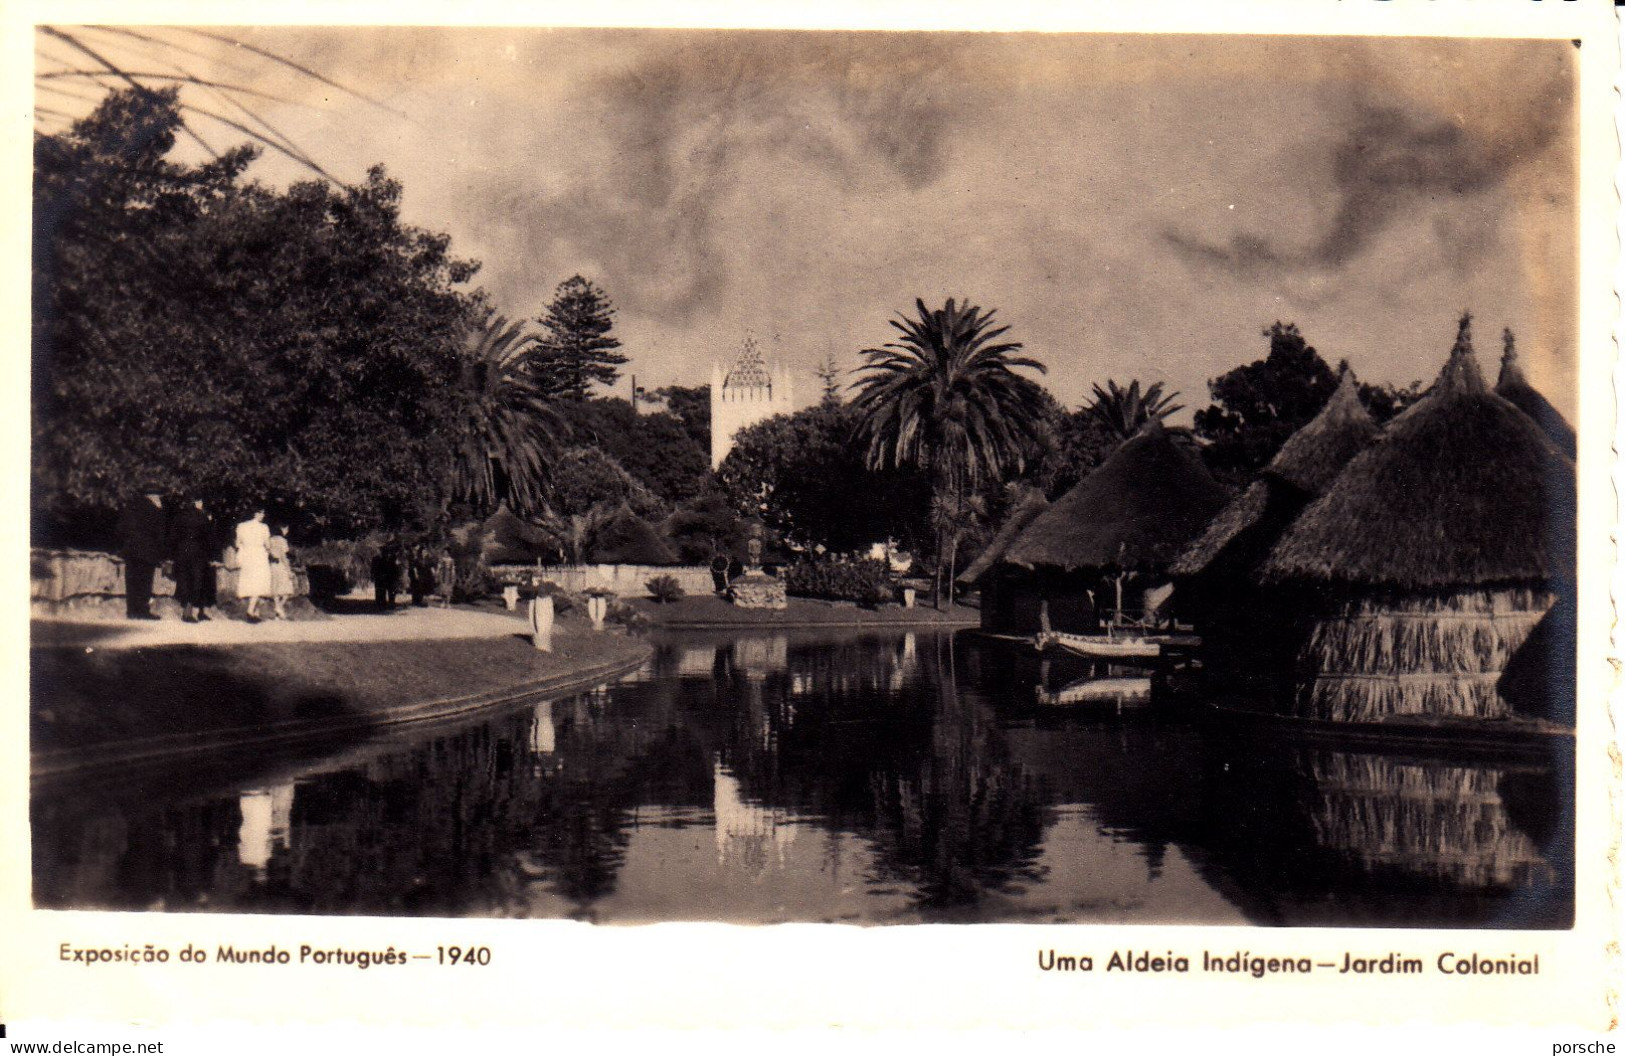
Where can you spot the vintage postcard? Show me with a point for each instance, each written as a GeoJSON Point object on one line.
{"type": "Point", "coordinates": [541, 520]}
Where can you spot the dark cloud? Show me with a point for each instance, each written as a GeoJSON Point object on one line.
{"type": "Point", "coordinates": [691, 128]}
{"type": "Point", "coordinates": [1389, 164]}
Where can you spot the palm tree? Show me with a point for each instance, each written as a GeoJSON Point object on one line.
{"type": "Point", "coordinates": [946, 399]}
{"type": "Point", "coordinates": [510, 428]}
{"type": "Point", "coordinates": [1124, 412]}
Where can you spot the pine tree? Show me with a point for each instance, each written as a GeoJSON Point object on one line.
{"type": "Point", "coordinates": [829, 376]}
{"type": "Point", "coordinates": [577, 349]}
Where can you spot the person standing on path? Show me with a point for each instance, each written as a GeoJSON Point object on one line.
{"type": "Point", "coordinates": [445, 577]}
{"type": "Point", "coordinates": [253, 562]}
{"type": "Point", "coordinates": [191, 538]}
{"type": "Point", "coordinates": [141, 544]}
{"type": "Point", "coordinates": [281, 571]}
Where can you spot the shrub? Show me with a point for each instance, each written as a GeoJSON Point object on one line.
{"type": "Point", "coordinates": [664, 589]}
{"type": "Point", "coordinates": [863, 580]}
{"type": "Point", "coordinates": [348, 559]}
{"type": "Point", "coordinates": [475, 582]}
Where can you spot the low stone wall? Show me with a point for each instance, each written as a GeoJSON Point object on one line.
{"type": "Point", "coordinates": [83, 582]}
{"type": "Point", "coordinates": [627, 581]}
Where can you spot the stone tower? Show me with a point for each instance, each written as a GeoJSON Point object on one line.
{"type": "Point", "coordinates": [745, 395]}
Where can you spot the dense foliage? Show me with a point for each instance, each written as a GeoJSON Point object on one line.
{"type": "Point", "coordinates": [1258, 406]}
{"type": "Point", "coordinates": [653, 446]}
{"type": "Point", "coordinates": [691, 405]}
{"type": "Point", "coordinates": [664, 589]}
{"type": "Point", "coordinates": [301, 347]}
{"type": "Point", "coordinates": [509, 431]}
{"type": "Point", "coordinates": [807, 479]}
{"type": "Point", "coordinates": [863, 580]}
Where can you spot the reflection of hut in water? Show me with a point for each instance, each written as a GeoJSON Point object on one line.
{"type": "Point", "coordinates": [267, 817]}
{"type": "Point", "coordinates": [1218, 573]}
{"type": "Point", "coordinates": [748, 833]}
{"type": "Point", "coordinates": [1430, 820]}
{"type": "Point", "coordinates": [1106, 542]}
{"type": "Point", "coordinates": [1431, 558]}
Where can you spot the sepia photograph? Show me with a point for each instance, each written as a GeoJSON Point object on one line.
{"type": "Point", "coordinates": [635, 476]}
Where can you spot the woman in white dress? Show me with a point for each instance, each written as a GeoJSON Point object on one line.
{"type": "Point", "coordinates": [281, 571]}
{"type": "Point", "coordinates": [253, 563]}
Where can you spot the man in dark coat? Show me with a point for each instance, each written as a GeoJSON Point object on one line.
{"type": "Point", "coordinates": [141, 544]}
{"type": "Point", "coordinates": [191, 546]}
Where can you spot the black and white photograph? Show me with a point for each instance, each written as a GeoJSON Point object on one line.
{"type": "Point", "coordinates": [633, 476]}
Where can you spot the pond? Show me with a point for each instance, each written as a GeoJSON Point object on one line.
{"type": "Point", "coordinates": [835, 776]}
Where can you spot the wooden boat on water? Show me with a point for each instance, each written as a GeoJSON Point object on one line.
{"type": "Point", "coordinates": [1115, 646]}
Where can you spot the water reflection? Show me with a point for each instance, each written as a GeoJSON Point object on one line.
{"type": "Point", "coordinates": [876, 778]}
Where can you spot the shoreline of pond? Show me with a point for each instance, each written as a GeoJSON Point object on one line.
{"type": "Point", "coordinates": [94, 710]}
{"type": "Point", "coordinates": [709, 613]}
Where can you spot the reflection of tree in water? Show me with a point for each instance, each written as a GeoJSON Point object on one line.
{"type": "Point", "coordinates": [969, 821]}
{"type": "Point", "coordinates": [890, 749]}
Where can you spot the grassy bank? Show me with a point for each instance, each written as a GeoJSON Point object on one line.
{"type": "Point", "coordinates": [80, 698]}
{"type": "Point", "coordinates": [711, 611]}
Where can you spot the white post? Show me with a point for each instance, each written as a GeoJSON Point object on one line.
{"type": "Point", "coordinates": [597, 607]}
{"type": "Point", "coordinates": [510, 597]}
{"type": "Point", "coordinates": [541, 623]}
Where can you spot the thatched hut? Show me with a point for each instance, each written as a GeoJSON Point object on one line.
{"type": "Point", "coordinates": [627, 539]}
{"type": "Point", "coordinates": [997, 607]}
{"type": "Point", "coordinates": [508, 539]}
{"type": "Point", "coordinates": [1428, 562]}
{"type": "Point", "coordinates": [1116, 532]}
{"type": "Point", "coordinates": [1516, 390]}
{"type": "Point", "coordinates": [1218, 573]}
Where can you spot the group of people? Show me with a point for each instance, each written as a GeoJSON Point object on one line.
{"type": "Point", "coordinates": [150, 536]}
{"type": "Point", "coordinates": [422, 571]}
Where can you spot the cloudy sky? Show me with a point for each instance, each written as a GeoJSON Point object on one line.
{"type": "Point", "coordinates": [1134, 206]}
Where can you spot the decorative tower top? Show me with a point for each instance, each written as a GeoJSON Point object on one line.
{"type": "Point", "coordinates": [749, 370]}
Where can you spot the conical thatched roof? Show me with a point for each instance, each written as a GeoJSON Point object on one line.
{"type": "Point", "coordinates": [627, 539]}
{"type": "Point", "coordinates": [1136, 510]}
{"type": "Point", "coordinates": [1020, 516]}
{"type": "Point", "coordinates": [1313, 456]}
{"type": "Point", "coordinates": [1462, 489]}
{"type": "Point", "coordinates": [1515, 389]}
{"type": "Point", "coordinates": [510, 540]}
{"type": "Point", "coordinates": [1308, 462]}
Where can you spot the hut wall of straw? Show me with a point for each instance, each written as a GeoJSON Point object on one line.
{"type": "Point", "coordinates": [1432, 821]}
{"type": "Point", "coordinates": [1438, 656]}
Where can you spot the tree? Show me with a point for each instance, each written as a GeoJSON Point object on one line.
{"type": "Point", "coordinates": [1258, 406]}
{"type": "Point", "coordinates": [1122, 413]}
{"type": "Point", "coordinates": [805, 478]}
{"type": "Point", "coordinates": [586, 490]}
{"type": "Point", "coordinates": [577, 350]}
{"type": "Point", "coordinates": [946, 400]}
{"type": "Point", "coordinates": [508, 430]}
{"type": "Point", "coordinates": [654, 448]}
{"type": "Point", "coordinates": [300, 347]}
{"type": "Point", "coordinates": [691, 405]}
{"type": "Point", "coordinates": [705, 526]}
{"type": "Point", "coordinates": [829, 377]}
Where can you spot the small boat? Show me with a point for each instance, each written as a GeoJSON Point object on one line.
{"type": "Point", "coordinates": [1114, 647]}
{"type": "Point", "coordinates": [1131, 692]}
